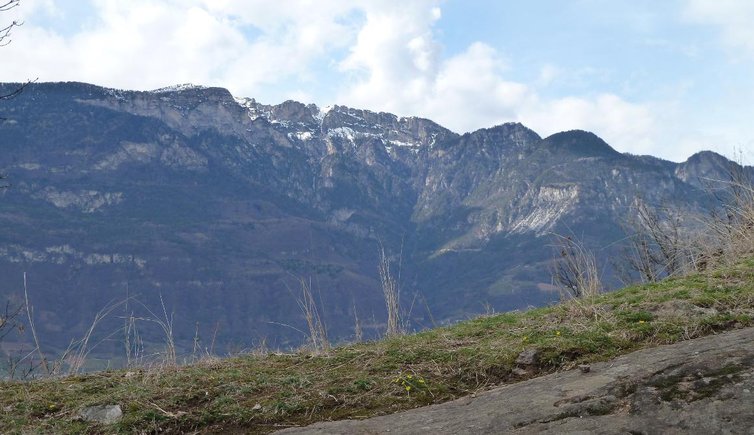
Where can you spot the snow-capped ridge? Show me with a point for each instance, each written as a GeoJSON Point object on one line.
{"type": "Point", "coordinates": [177, 88]}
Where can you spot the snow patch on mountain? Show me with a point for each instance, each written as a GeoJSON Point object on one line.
{"type": "Point", "coordinates": [301, 135]}
{"type": "Point", "coordinates": [177, 88]}
{"type": "Point", "coordinates": [320, 114]}
{"type": "Point", "coordinates": [401, 143]}
{"type": "Point", "coordinates": [344, 132]}
{"type": "Point", "coordinates": [254, 109]}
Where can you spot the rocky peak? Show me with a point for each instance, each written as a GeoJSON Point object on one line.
{"type": "Point", "coordinates": [579, 143]}
{"type": "Point", "coordinates": [292, 112]}
{"type": "Point", "coordinates": [394, 131]}
{"type": "Point", "coordinates": [362, 121]}
{"type": "Point", "coordinates": [708, 159]}
{"type": "Point", "coordinates": [706, 167]}
{"type": "Point", "coordinates": [177, 88]}
{"type": "Point", "coordinates": [188, 95]}
{"type": "Point", "coordinates": [510, 134]}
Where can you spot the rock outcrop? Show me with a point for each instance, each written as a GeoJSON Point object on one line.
{"type": "Point", "coordinates": [701, 386]}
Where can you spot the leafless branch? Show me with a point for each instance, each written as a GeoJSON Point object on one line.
{"type": "Point", "coordinates": [730, 229]}
{"type": "Point", "coordinates": [17, 91]}
{"type": "Point", "coordinates": [9, 4]}
{"type": "Point", "coordinates": [9, 320]}
{"type": "Point", "coordinates": [3, 185]}
{"type": "Point", "coordinates": [657, 242]}
{"type": "Point", "coordinates": [5, 32]}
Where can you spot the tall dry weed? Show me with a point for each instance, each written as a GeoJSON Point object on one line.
{"type": "Point", "coordinates": [574, 270]}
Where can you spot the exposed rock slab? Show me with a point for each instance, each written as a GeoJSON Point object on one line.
{"type": "Point", "coordinates": [105, 414]}
{"type": "Point", "coordinates": [697, 386]}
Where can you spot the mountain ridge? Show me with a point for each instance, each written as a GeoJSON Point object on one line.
{"type": "Point", "coordinates": [313, 108]}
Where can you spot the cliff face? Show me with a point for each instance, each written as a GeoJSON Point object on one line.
{"type": "Point", "coordinates": [220, 204]}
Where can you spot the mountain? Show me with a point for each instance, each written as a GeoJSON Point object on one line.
{"type": "Point", "coordinates": [217, 206]}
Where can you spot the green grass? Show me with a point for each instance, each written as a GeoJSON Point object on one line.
{"type": "Point", "coordinates": [258, 394]}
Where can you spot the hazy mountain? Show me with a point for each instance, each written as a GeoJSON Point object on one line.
{"type": "Point", "coordinates": [221, 204]}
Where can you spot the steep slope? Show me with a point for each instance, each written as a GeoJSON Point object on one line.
{"type": "Point", "coordinates": [216, 206]}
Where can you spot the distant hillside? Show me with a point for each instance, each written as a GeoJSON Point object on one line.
{"type": "Point", "coordinates": [219, 205]}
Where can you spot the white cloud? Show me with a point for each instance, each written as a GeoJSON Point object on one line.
{"type": "Point", "coordinates": [399, 68]}
{"type": "Point", "coordinates": [733, 17]}
{"type": "Point", "coordinates": [396, 65]}
{"type": "Point", "coordinates": [143, 44]}
{"type": "Point", "coordinates": [470, 91]}
{"type": "Point", "coordinates": [547, 74]}
{"type": "Point", "coordinates": [629, 127]}
{"type": "Point", "coordinates": [382, 55]}
{"type": "Point", "coordinates": [395, 56]}
{"type": "Point", "coordinates": [724, 123]}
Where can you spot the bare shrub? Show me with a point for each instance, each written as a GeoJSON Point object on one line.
{"type": "Point", "coordinates": [574, 270]}
{"type": "Point", "coordinates": [317, 332]}
{"type": "Point", "coordinates": [391, 292]}
{"type": "Point", "coordinates": [662, 242]}
{"type": "Point", "coordinates": [730, 228]}
{"type": "Point", "coordinates": [658, 246]}
{"type": "Point", "coordinates": [78, 351]}
{"type": "Point", "coordinates": [165, 323]}
{"type": "Point", "coordinates": [10, 320]}
{"type": "Point", "coordinates": [73, 359]}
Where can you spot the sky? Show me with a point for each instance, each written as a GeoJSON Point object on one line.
{"type": "Point", "coordinates": [667, 78]}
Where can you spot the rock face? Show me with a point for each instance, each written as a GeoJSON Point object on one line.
{"type": "Point", "coordinates": [218, 205]}
{"type": "Point", "coordinates": [703, 386]}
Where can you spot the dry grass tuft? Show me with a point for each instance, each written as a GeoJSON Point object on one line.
{"type": "Point", "coordinates": [391, 291]}
{"type": "Point", "coordinates": [574, 270]}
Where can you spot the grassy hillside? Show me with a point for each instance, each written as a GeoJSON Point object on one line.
{"type": "Point", "coordinates": [259, 394]}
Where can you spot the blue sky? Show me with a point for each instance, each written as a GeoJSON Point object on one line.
{"type": "Point", "coordinates": [665, 78]}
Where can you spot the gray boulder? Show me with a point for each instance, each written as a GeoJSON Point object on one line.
{"type": "Point", "coordinates": [104, 414]}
